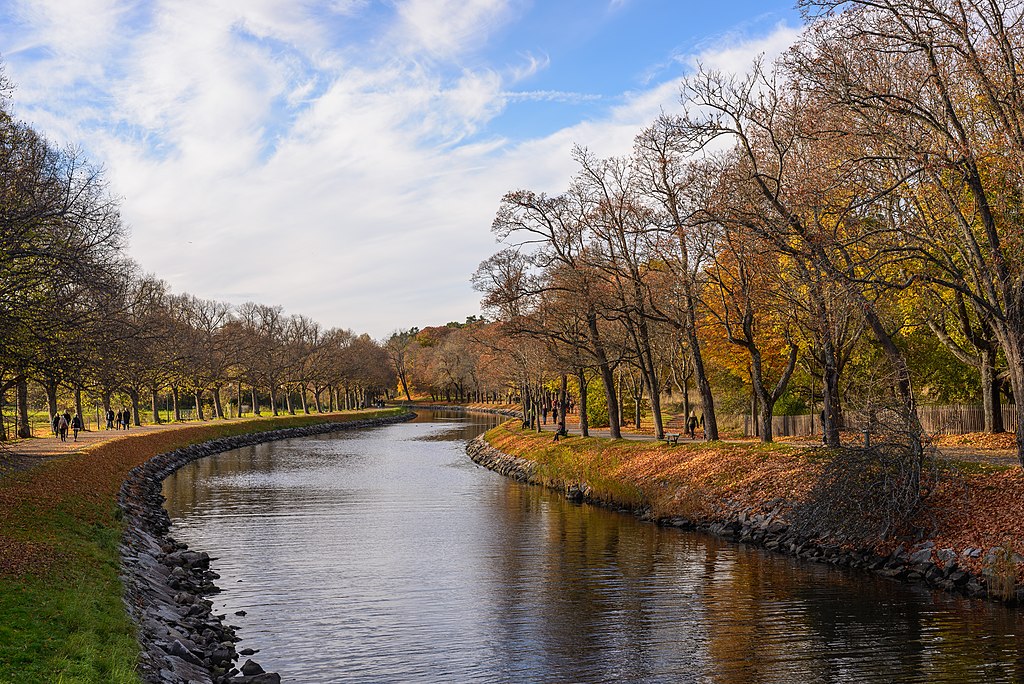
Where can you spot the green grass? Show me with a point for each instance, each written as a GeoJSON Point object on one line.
{"type": "Point", "coordinates": [62, 620]}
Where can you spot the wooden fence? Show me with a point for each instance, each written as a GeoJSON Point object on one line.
{"type": "Point", "coordinates": [954, 419]}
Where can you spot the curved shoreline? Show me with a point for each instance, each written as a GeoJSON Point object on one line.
{"type": "Point", "coordinates": [920, 564]}
{"type": "Point", "coordinates": [165, 583]}
{"type": "Point", "coordinates": [463, 408]}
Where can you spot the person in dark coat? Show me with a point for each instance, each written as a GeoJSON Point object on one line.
{"type": "Point", "coordinates": [76, 425]}
{"type": "Point", "coordinates": [691, 426]}
{"type": "Point", "coordinates": [55, 424]}
{"type": "Point", "coordinates": [110, 419]}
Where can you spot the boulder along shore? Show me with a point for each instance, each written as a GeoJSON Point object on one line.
{"type": "Point", "coordinates": [167, 584]}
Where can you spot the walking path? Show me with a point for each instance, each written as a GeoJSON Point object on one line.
{"type": "Point", "coordinates": [992, 450]}
{"type": "Point", "coordinates": [21, 454]}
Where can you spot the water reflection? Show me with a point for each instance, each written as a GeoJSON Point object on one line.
{"type": "Point", "coordinates": [387, 556]}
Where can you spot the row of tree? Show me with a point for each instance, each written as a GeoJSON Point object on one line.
{"type": "Point", "coordinates": [847, 209]}
{"type": "Point", "coordinates": [78, 317]}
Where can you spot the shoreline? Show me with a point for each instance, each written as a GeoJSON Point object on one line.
{"type": "Point", "coordinates": [922, 563]}
{"type": "Point", "coordinates": [166, 584]}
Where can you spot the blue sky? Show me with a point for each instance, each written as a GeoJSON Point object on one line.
{"type": "Point", "coordinates": [344, 158]}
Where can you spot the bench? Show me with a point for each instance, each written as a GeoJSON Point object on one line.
{"type": "Point", "coordinates": [671, 438]}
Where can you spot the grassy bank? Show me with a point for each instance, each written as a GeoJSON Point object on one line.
{"type": "Point", "coordinates": [61, 616]}
{"type": "Point", "coordinates": [972, 506]}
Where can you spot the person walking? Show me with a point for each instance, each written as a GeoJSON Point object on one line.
{"type": "Point", "coordinates": [110, 418]}
{"type": "Point", "coordinates": [691, 426]}
{"type": "Point", "coordinates": [76, 425]}
{"type": "Point", "coordinates": [62, 427]}
{"type": "Point", "coordinates": [55, 424]}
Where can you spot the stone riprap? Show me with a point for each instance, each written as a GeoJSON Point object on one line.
{"type": "Point", "coordinates": [919, 563]}
{"type": "Point", "coordinates": [166, 584]}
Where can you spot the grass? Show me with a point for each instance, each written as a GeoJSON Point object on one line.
{"type": "Point", "coordinates": [668, 479]}
{"type": "Point", "coordinates": [61, 616]}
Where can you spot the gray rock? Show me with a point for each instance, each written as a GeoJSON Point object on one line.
{"type": "Point", "coordinates": [252, 668]}
{"type": "Point", "coordinates": [947, 557]}
{"type": "Point", "coordinates": [178, 649]}
{"type": "Point", "coordinates": [922, 556]}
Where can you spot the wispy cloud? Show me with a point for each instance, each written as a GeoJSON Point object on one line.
{"type": "Point", "coordinates": [550, 96]}
{"type": "Point", "coordinates": [263, 157]}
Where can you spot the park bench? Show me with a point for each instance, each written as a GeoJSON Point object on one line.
{"type": "Point", "coordinates": [671, 438]}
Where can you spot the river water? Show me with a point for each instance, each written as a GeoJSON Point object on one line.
{"type": "Point", "coordinates": [386, 555]}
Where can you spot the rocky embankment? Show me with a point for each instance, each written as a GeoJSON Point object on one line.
{"type": "Point", "coordinates": [923, 563]}
{"type": "Point", "coordinates": [167, 585]}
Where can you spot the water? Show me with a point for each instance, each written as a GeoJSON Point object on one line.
{"type": "Point", "coordinates": [388, 556]}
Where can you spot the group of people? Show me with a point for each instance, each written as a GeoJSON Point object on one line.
{"type": "Point", "coordinates": [544, 408]}
{"type": "Point", "coordinates": [62, 422]}
{"type": "Point", "coordinates": [121, 419]}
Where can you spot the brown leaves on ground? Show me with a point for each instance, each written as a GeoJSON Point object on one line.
{"type": "Point", "coordinates": [979, 511]}
{"type": "Point", "coordinates": [687, 480]}
{"type": "Point", "coordinates": [982, 441]}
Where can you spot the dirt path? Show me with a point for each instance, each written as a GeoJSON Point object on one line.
{"type": "Point", "coordinates": [21, 454]}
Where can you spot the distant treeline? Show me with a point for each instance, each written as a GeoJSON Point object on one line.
{"type": "Point", "coordinates": [80, 320]}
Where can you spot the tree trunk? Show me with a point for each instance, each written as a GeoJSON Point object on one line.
{"type": "Point", "coordinates": [584, 423]}
{"type": "Point", "coordinates": [176, 400]}
{"type": "Point", "coordinates": [830, 397]}
{"type": "Point", "coordinates": [134, 396]}
{"type": "Point", "coordinates": [218, 407]}
{"type": "Point", "coordinates": [50, 387]}
{"type": "Point", "coordinates": [78, 404]}
{"type": "Point", "coordinates": [255, 402]}
{"type": "Point", "coordinates": [154, 396]}
{"type": "Point", "coordinates": [288, 400]}
{"type": "Point", "coordinates": [302, 396]}
{"type": "Point", "coordinates": [199, 405]}
{"type": "Point", "coordinates": [562, 402]}
{"type": "Point", "coordinates": [24, 427]}
{"type": "Point", "coordinates": [273, 400]}
{"type": "Point", "coordinates": [317, 406]}
{"type": "Point", "coordinates": [990, 392]}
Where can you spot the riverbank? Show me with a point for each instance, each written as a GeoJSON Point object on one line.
{"type": "Point", "coordinates": [62, 616]}
{"type": "Point", "coordinates": [967, 538]}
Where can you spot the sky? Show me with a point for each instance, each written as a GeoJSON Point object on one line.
{"type": "Point", "coordinates": [345, 158]}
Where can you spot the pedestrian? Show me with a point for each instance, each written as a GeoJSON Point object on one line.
{"type": "Point", "coordinates": [691, 426]}
{"type": "Point", "coordinates": [67, 416]}
{"type": "Point", "coordinates": [55, 424]}
{"type": "Point", "coordinates": [544, 411]}
{"type": "Point", "coordinates": [76, 425]}
{"type": "Point", "coordinates": [126, 417]}
{"type": "Point", "coordinates": [110, 418]}
{"type": "Point", "coordinates": [62, 427]}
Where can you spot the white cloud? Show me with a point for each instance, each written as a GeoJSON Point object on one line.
{"type": "Point", "coordinates": [259, 159]}
{"type": "Point", "coordinates": [447, 28]}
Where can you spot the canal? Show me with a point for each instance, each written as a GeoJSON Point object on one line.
{"type": "Point", "coordinates": [386, 555]}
